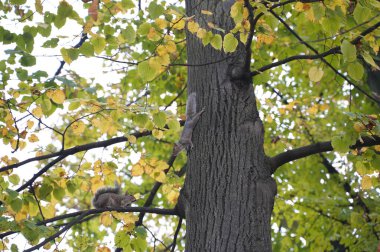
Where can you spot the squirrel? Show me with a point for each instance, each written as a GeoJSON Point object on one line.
{"type": "Point", "coordinates": [192, 118]}
{"type": "Point", "coordinates": [111, 197]}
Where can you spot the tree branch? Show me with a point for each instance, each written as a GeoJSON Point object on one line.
{"type": "Point", "coordinates": [83, 214]}
{"type": "Point", "coordinates": [320, 147]}
{"type": "Point", "coordinates": [355, 41]}
{"type": "Point", "coordinates": [333, 50]}
{"type": "Point", "coordinates": [154, 190]}
{"type": "Point", "coordinates": [77, 149]}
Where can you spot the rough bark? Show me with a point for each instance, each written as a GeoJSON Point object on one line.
{"type": "Point", "coordinates": [228, 189]}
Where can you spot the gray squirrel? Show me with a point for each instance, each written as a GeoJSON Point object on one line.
{"type": "Point", "coordinates": [192, 118]}
{"type": "Point", "coordinates": [111, 197]}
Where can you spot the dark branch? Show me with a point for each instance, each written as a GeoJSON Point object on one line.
{"type": "Point", "coordinates": [176, 234]}
{"type": "Point", "coordinates": [77, 149]}
{"type": "Point", "coordinates": [89, 212]}
{"type": "Point", "coordinates": [320, 147]}
{"type": "Point", "coordinates": [355, 41]}
{"type": "Point", "coordinates": [154, 190]}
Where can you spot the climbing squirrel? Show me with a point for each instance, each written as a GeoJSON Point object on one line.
{"type": "Point", "coordinates": [192, 118]}
{"type": "Point", "coordinates": [111, 197]}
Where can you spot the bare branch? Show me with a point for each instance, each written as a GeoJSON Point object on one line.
{"type": "Point", "coordinates": [320, 147]}
{"type": "Point", "coordinates": [176, 234]}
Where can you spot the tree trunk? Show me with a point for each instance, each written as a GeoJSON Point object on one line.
{"type": "Point", "coordinates": [228, 189]}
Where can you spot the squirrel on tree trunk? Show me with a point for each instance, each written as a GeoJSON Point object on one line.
{"type": "Point", "coordinates": [192, 118]}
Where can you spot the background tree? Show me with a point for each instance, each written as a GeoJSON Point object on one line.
{"type": "Point", "coordinates": [305, 60]}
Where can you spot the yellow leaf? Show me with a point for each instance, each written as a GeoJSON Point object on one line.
{"type": "Point", "coordinates": [171, 46]}
{"type": "Point", "coordinates": [166, 189]}
{"type": "Point", "coordinates": [153, 35]}
{"type": "Point", "coordinates": [157, 133]}
{"type": "Point", "coordinates": [315, 74]}
{"type": "Point", "coordinates": [313, 110]}
{"type": "Point", "coordinates": [125, 217]}
{"type": "Point", "coordinates": [148, 169]}
{"type": "Point", "coordinates": [161, 166]}
{"type": "Point", "coordinates": [366, 182]}
{"type": "Point", "coordinates": [37, 112]}
{"type": "Point", "coordinates": [161, 50]}
{"type": "Point", "coordinates": [298, 7]}
{"type": "Point", "coordinates": [137, 170]}
{"type": "Point", "coordinates": [106, 219]}
{"type": "Point", "coordinates": [359, 127]}
{"type": "Point", "coordinates": [206, 12]}
{"type": "Point", "coordinates": [192, 26]}
{"type": "Point", "coordinates": [33, 138]}
{"type": "Point", "coordinates": [78, 127]}
{"type": "Point", "coordinates": [377, 147]}
{"type": "Point", "coordinates": [161, 23]}
{"type": "Point", "coordinates": [159, 176]}
{"type": "Point", "coordinates": [58, 96]}
{"type": "Point", "coordinates": [48, 211]}
{"type": "Point", "coordinates": [21, 215]}
{"type": "Point", "coordinates": [269, 119]}
{"type": "Point", "coordinates": [179, 23]}
{"type": "Point", "coordinates": [173, 197]}
{"type": "Point", "coordinates": [131, 139]}
{"type": "Point", "coordinates": [30, 124]}
{"type": "Point", "coordinates": [201, 33]}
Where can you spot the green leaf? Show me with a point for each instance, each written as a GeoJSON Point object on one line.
{"type": "Point", "coordinates": [14, 179]}
{"type": "Point", "coordinates": [27, 60]}
{"type": "Point", "coordinates": [14, 248]}
{"type": "Point", "coordinates": [69, 55]}
{"type": "Point", "coordinates": [122, 239]}
{"type": "Point", "coordinates": [45, 190]}
{"type": "Point", "coordinates": [127, 4]}
{"type": "Point", "coordinates": [51, 43]}
{"type": "Point", "coordinates": [368, 58]}
{"type": "Point", "coordinates": [18, 2]}
{"type": "Point", "coordinates": [144, 29]}
{"type": "Point", "coordinates": [129, 34]}
{"type": "Point", "coordinates": [99, 44]}
{"type": "Point", "coordinates": [230, 43]}
{"type": "Point", "coordinates": [355, 70]}
{"type": "Point", "coordinates": [361, 14]}
{"type": "Point", "coordinates": [140, 120]}
{"type": "Point", "coordinates": [64, 9]}
{"type": "Point", "coordinates": [348, 51]}
{"type": "Point", "coordinates": [22, 74]}
{"type": "Point", "coordinates": [38, 6]}
{"type": "Point", "coordinates": [16, 204]}
{"type": "Point", "coordinates": [216, 42]}
{"type": "Point", "coordinates": [155, 10]}
{"type": "Point", "coordinates": [160, 119]}
{"type": "Point", "coordinates": [315, 74]}
{"type": "Point", "coordinates": [29, 41]}
{"type": "Point", "coordinates": [146, 72]}
{"type": "Point", "coordinates": [87, 49]}
{"type": "Point", "coordinates": [59, 193]}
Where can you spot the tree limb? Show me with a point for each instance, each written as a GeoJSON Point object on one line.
{"type": "Point", "coordinates": [355, 41]}
{"type": "Point", "coordinates": [76, 149]}
{"type": "Point", "coordinates": [84, 213]}
{"type": "Point", "coordinates": [320, 147]}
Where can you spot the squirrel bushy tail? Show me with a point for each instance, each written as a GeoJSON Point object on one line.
{"type": "Point", "coordinates": [100, 191]}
